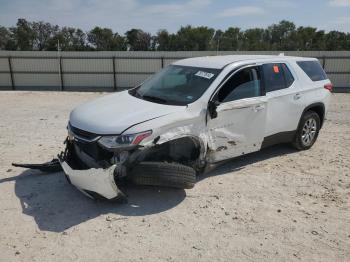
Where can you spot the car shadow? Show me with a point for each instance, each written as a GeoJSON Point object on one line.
{"type": "Point", "coordinates": [241, 162]}
{"type": "Point", "coordinates": [56, 205]}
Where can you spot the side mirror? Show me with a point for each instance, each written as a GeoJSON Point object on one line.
{"type": "Point", "coordinates": [212, 108]}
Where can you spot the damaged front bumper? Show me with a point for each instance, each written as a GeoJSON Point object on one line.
{"type": "Point", "coordinates": [88, 176]}
{"type": "Point", "coordinates": [97, 183]}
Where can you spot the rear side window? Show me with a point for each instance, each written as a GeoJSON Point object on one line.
{"type": "Point", "coordinates": [276, 77]}
{"type": "Point", "coordinates": [313, 69]}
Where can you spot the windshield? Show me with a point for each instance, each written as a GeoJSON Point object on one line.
{"type": "Point", "coordinates": [176, 85]}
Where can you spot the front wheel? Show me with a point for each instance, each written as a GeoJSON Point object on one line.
{"type": "Point", "coordinates": [308, 130]}
{"type": "Point", "coordinates": [163, 174]}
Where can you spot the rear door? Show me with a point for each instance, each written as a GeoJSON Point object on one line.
{"type": "Point", "coordinates": [238, 127]}
{"type": "Point", "coordinates": [283, 95]}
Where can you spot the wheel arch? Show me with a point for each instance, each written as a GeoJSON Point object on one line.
{"type": "Point", "coordinates": [196, 142]}
{"type": "Point", "coordinates": [183, 148]}
{"type": "Point", "coordinates": [318, 108]}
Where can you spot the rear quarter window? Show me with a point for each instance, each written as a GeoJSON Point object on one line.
{"type": "Point", "coordinates": [313, 70]}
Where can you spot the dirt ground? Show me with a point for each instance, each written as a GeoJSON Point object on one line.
{"type": "Point", "coordinates": [274, 205]}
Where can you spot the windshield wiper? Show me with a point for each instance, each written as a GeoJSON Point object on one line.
{"type": "Point", "coordinates": [154, 98]}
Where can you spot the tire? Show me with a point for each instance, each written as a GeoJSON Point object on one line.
{"type": "Point", "coordinates": [163, 174]}
{"type": "Point", "coordinates": [309, 127]}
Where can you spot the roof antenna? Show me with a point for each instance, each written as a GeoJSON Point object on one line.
{"type": "Point", "coordinates": [281, 54]}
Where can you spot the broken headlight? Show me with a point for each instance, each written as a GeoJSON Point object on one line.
{"type": "Point", "coordinates": [123, 141]}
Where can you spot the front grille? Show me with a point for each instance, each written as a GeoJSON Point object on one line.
{"type": "Point", "coordinates": [82, 133]}
{"type": "Point", "coordinates": [87, 142]}
{"type": "Point", "coordinates": [94, 150]}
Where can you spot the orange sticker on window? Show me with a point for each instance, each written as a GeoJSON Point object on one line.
{"type": "Point", "coordinates": [276, 69]}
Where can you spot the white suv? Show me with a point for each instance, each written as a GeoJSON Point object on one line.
{"type": "Point", "coordinates": [194, 112]}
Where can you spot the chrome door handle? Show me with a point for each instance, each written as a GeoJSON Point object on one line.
{"type": "Point", "coordinates": [297, 96]}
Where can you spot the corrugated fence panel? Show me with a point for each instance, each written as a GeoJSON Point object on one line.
{"type": "Point", "coordinates": [138, 65]}
{"type": "Point", "coordinates": [5, 78]}
{"type": "Point", "coordinates": [109, 70]}
{"type": "Point", "coordinates": [36, 81]}
{"type": "Point", "coordinates": [337, 65]}
{"type": "Point", "coordinates": [87, 65]}
{"type": "Point", "coordinates": [88, 81]}
{"type": "Point", "coordinates": [4, 64]}
{"type": "Point", "coordinates": [31, 64]}
{"type": "Point", "coordinates": [5, 81]}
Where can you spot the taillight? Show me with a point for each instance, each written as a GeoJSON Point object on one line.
{"type": "Point", "coordinates": [329, 87]}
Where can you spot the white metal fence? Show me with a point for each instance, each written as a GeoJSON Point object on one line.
{"type": "Point", "coordinates": [101, 71]}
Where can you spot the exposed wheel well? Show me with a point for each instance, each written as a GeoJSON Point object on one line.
{"type": "Point", "coordinates": [185, 150]}
{"type": "Point", "coordinates": [319, 109]}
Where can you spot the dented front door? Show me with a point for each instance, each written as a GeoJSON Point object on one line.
{"type": "Point", "coordinates": [238, 128]}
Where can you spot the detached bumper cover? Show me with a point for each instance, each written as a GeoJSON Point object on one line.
{"type": "Point", "coordinates": [94, 182]}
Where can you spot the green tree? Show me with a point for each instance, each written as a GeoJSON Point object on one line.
{"type": "Point", "coordinates": [254, 40]}
{"type": "Point", "coordinates": [193, 38]}
{"type": "Point", "coordinates": [163, 40]}
{"type": "Point", "coordinates": [336, 40]}
{"type": "Point", "coordinates": [6, 39]}
{"type": "Point", "coordinates": [230, 40]}
{"type": "Point", "coordinates": [43, 33]}
{"type": "Point", "coordinates": [138, 40]}
{"type": "Point", "coordinates": [282, 36]}
{"type": "Point", "coordinates": [105, 39]}
{"type": "Point", "coordinates": [307, 38]}
{"type": "Point", "coordinates": [70, 39]}
{"type": "Point", "coordinates": [24, 35]}
{"type": "Point", "coordinates": [101, 38]}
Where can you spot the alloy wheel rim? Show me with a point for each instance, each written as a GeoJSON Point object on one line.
{"type": "Point", "coordinates": [309, 131]}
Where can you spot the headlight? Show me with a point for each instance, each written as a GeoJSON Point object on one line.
{"type": "Point", "coordinates": [123, 141]}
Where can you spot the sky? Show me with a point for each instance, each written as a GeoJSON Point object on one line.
{"type": "Point", "coordinates": [152, 15]}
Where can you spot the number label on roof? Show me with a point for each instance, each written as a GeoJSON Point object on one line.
{"type": "Point", "coordinates": [204, 74]}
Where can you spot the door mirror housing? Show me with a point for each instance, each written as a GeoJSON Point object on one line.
{"type": "Point", "coordinates": [212, 108]}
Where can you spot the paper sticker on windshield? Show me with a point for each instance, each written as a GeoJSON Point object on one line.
{"type": "Point", "coordinates": [204, 74]}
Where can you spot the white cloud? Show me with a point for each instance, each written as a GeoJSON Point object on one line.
{"type": "Point", "coordinates": [340, 3]}
{"type": "Point", "coordinates": [241, 11]}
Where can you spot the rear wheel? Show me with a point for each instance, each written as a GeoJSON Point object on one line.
{"type": "Point", "coordinates": [308, 130]}
{"type": "Point", "coordinates": [163, 174]}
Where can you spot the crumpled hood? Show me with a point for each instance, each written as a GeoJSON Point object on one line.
{"type": "Point", "coordinates": [112, 114]}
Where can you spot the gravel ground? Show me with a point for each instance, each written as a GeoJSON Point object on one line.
{"type": "Point", "coordinates": [274, 205]}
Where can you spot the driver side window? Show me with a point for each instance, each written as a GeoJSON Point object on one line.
{"type": "Point", "coordinates": [243, 84]}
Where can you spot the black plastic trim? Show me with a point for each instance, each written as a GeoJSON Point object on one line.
{"type": "Point", "coordinates": [311, 106]}
{"type": "Point", "coordinates": [279, 138]}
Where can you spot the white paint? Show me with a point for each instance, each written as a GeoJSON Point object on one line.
{"type": "Point", "coordinates": [98, 180]}
{"type": "Point", "coordinates": [244, 123]}
{"type": "Point", "coordinates": [219, 62]}
{"type": "Point", "coordinates": [112, 114]}
{"type": "Point", "coordinates": [237, 128]}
